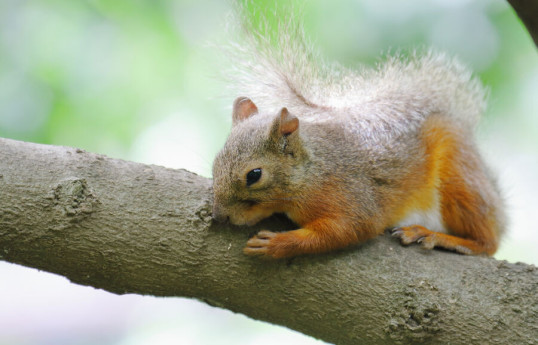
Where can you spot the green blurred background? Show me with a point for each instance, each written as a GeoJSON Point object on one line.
{"type": "Point", "coordinates": [138, 80]}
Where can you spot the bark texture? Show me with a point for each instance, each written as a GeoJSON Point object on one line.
{"type": "Point", "coordinates": [132, 228]}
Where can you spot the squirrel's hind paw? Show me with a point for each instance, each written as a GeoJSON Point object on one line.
{"type": "Point", "coordinates": [430, 239]}
{"type": "Point", "coordinates": [417, 233]}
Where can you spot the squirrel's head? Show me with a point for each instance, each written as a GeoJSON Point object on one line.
{"type": "Point", "coordinates": [255, 172]}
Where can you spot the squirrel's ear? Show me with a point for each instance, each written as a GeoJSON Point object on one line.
{"type": "Point", "coordinates": [288, 123]}
{"type": "Point", "coordinates": [285, 134]}
{"type": "Point", "coordinates": [243, 109]}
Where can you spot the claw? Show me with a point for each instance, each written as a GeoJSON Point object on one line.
{"type": "Point", "coordinates": [427, 242]}
{"type": "Point", "coordinates": [396, 232]}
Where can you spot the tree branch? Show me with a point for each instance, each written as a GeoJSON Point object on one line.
{"type": "Point", "coordinates": [527, 11]}
{"type": "Point", "coordinates": [132, 228]}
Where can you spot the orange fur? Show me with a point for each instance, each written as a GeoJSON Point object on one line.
{"type": "Point", "coordinates": [325, 227]}
{"type": "Point", "coordinates": [451, 168]}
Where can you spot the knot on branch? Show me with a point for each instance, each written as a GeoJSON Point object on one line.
{"type": "Point", "coordinates": [75, 198]}
{"type": "Point", "coordinates": [417, 319]}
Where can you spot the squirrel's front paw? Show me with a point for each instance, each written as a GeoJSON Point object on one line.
{"type": "Point", "coordinates": [260, 244]}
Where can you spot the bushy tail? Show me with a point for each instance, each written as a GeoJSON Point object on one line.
{"type": "Point", "coordinates": [277, 68]}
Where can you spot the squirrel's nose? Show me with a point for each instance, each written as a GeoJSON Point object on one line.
{"type": "Point", "coordinates": [219, 215]}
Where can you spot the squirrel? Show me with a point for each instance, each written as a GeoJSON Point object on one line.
{"type": "Point", "coordinates": [347, 154]}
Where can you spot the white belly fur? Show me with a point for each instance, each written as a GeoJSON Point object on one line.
{"type": "Point", "coordinates": [430, 218]}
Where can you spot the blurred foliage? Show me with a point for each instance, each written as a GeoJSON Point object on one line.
{"type": "Point", "coordinates": [94, 74]}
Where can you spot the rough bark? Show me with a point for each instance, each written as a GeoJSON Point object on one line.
{"type": "Point", "coordinates": [132, 228]}
{"type": "Point", "coordinates": [527, 11]}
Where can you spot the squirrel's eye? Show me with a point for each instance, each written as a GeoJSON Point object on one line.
{"type": "Point", "coordinates": [253, 176]}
